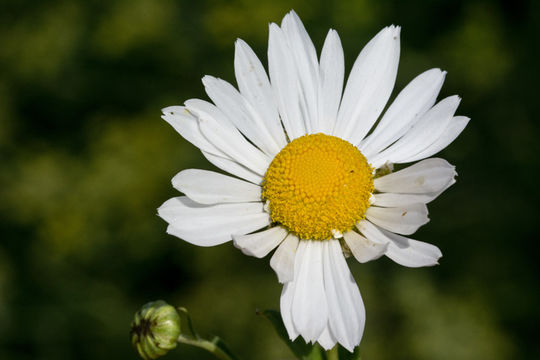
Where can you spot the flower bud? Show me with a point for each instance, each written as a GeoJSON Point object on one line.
{"type": "Point", "coordinates": [155, 329]}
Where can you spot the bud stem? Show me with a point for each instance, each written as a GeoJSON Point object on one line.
{"type": "Point", "coordinates": [206, 345]}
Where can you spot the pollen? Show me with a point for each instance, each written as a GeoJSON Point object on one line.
{"type": "Point", "coordinates": [317, 186]}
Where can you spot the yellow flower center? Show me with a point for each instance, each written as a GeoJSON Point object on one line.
{"type": "Point", "coordinates": [318, 186]}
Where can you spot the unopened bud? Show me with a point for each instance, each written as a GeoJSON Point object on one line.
{"type": "Point", "coordinates": [155, 329]}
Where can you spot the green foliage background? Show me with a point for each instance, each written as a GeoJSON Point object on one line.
{"type": "Point", "coordinates": [85, 160]}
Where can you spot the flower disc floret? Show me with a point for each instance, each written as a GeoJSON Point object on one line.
{"type": "Point", "coordinates": [317, 186]}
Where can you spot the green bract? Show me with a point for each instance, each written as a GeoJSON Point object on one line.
{"type": "Point", "coordinates": [155, 329]}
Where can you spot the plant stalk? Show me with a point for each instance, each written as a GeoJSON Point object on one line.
{"type": "Point", "coordinates": [206, 345]}
{"type": "Point", "coordinates": [333, 354]}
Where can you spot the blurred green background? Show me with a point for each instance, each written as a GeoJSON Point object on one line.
{"type": "Point", "coordinates": [85, 160]}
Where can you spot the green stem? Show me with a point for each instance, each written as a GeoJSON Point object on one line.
{"type": "Point", "coordinates": [333, 354]}
{"type": "Point", "coordinates": [206, 345]}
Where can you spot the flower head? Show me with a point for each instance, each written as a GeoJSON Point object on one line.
{"type": "Point", "coordinates": [312, 175]}
{"type": "Point", "coordinates": [317, 185]}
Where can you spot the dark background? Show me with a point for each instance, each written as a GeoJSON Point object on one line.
{"type": "Point", "coordinates": [86, 160]}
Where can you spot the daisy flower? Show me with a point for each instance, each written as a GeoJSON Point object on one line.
{"type": "Point", "coordinates": [312, 173]}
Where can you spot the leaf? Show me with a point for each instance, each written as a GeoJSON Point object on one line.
{"type": "Point", "coordinates": [344, 354]}
{"type": "Point", "coordinates": [191, 328]}
{"type": "Point", "coordinates": [299, 347]}
{"type": "Point", "coordinates": [221, 344]}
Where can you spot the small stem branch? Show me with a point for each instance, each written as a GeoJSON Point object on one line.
{"type": "Point", "coordinates": [333, 354]}
{"type": "Point", "coordinates": [206, 345]}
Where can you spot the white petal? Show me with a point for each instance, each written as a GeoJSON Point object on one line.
{"type": "Point", "coordinates": [285, 305]}
{"type": "Point", "coordinates": [404, 251]}
{"type": "Point", "coordinates": [261, 243]}
{"type": "Point", "coordinates": [411, 103]}
{"type": "Point", "coordinates": [219, 232]}
{"type": "Point", "coordinates": [232, 167]}
{"type": "Point", "coordinates": [309, 307]}
{"type": "Point", "coordinates": [363, 249]}
{"type": "Point", "coordinates": [397, 200]}
{"type": "Point", "coordinates": [240, 113]}
{"type": "Point", "coordinates": [331, 74]}
{"type": "Point", "coordinates": [255, 87]}
{"type": "Point", "coordinates": [346, 313]}
{"type": "Point", "coordinates": [220, 132]}
{"type": "Point", "coordinates": [402, 220]}
{"type": "Point", "coordinates": [427, 176]}
{"type": "Point", "coordinates": [182, 207]}
{"type": "Point", "coordinates": [188, 126]}
{"type": "Point", "coordinates": [208, 187]}
{"type": "Point", "coordinates": [327, 340]}
{"type": "Point", "coordinates": [284, 80]}
{"type": "Point", "coordinates": [371, 232]}
{"type": "Point", "coordinates": [369, 86]}
{"type": "Point", "coordinates": [307, 67]}
{"type": "Point", "coordinates": [454, 128]}
{"type": "Point", "coordinates": [208, 225]}
{"type": "Point", "coordinates": [283, 259]}
{"type": "Point", "coordinates": [412, 253]}
{"type": "Point", "coordinates": [424, 133]}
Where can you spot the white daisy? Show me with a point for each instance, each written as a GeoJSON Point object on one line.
{"type": "Point", "coordinates": [310, 178]}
